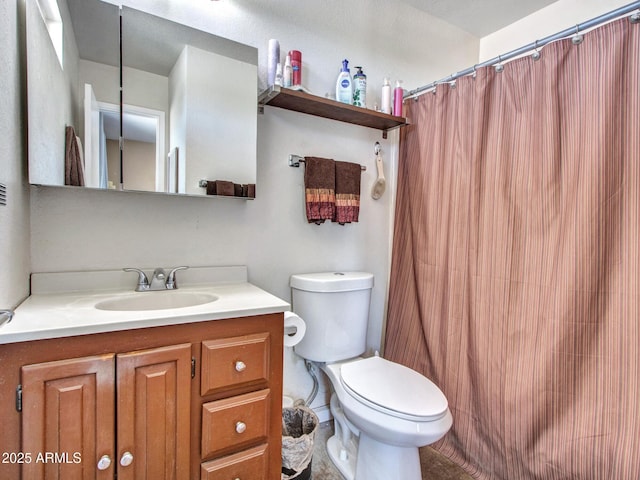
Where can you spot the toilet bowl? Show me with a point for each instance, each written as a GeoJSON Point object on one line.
{"type": "Point", "coordinates": [390, 411]}
{"type": "Point", "coordinates": [383, 411]}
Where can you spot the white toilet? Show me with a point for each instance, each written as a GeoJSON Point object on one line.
{"type": "Point", "coordinates": [383, 411]}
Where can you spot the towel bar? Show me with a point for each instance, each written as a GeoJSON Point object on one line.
{"type": "Point", "coordinates": [296, 160]}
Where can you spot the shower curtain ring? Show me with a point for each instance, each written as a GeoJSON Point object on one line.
{"type": "Point", "coordinates": [499, 67]}
{"type": "Point", "coordinates": [635, 18]}
{"type": "Point", "coordinates": [536, 53]}
{"type": "Point", "coordinates": [578, 37]}
{"type": "Point", "coordinates": [475, 71]}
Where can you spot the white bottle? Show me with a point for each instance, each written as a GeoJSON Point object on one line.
{"type": "Point", "coordinates": [288, 72]}
{"type": "Point", "coordinates": [278, 78]}
{"type": "Point", "coordinates": [386, 96]}
{"type": "Point", "coordinates": [344, 84]}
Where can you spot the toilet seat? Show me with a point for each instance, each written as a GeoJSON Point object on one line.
{"type": "Point", "coordinates": [393, 389]}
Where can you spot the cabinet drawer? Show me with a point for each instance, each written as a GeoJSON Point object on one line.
{"type": "Point", "coordinates": [247, 465]}
{"type": "Point", "coordinates": [231, 362]}
{"type": "Point", "coordinates": [235, 422]}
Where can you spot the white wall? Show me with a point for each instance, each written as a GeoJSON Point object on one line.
{"type": "Point", "coordinates": [552, 19]}
{"type": "Point", "coordinates": [75, 229]}
{"type": "Point", "coordinates": [14, 217]}
{"type": "Point", "coordinates": [386, 37]}
{"type": "Point", "coordinates": [178, 115]}
{"type": "Point", "coordinates": [219, 119]}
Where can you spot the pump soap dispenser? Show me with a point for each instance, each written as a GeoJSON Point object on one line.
{"type": "Point", "coordinates": [344, 84]}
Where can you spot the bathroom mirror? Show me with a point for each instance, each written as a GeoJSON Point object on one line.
{"type": "Point", "coordinates": [188, 106]}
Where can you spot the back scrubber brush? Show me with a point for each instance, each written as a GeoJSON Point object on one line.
{"type": "Point", "coordinates": [380, 184]}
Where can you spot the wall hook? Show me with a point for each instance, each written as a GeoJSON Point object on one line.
{"type": "Point", "coordinates": [380, 184]}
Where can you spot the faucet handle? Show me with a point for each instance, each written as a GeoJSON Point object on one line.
{"type": "Point", "coordinates": [143, 281]}
{"type": "Point", "coordinates": [171, 278]}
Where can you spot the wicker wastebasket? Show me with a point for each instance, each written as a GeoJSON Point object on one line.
{"type": "Point", "coordinates": [299, 426]}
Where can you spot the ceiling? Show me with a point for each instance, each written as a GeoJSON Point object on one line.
{"type": "Point", "coordinates": [480, 17]}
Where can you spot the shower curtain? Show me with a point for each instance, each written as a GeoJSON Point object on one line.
{"type": "Point", "coordinates": [515, 278]}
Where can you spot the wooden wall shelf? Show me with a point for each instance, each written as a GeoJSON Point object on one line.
{"type": "Point", "coordinates": [299, 101]}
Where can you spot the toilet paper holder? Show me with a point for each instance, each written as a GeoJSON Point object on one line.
{"type": "Point", "coordinates": [294, 329]}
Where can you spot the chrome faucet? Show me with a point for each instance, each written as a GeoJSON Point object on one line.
{"type": "Point", "coordinates": [159, 281]}
{"type": "Point", "coordinates": [5, 316]}
{"type": "Point", "coordinates": [171, 283]}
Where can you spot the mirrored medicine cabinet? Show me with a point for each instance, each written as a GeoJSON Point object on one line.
{"type": "Point", "coordinates": [186, 111]}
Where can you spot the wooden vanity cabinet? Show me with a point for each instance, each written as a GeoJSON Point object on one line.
{"type": "Point", "coordinates": [199, 400]}
{"type": "Point", "coordinates": [69, 409]}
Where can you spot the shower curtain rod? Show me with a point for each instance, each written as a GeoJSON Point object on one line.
{"type": "Point", "coordinates": [533, 46]}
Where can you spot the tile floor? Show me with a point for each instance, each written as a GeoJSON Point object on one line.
{"type": "Point", "coordinates": [434, 465]}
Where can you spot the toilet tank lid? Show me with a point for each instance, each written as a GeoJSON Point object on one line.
{"type": "Point", "coordinates": [332, 281]}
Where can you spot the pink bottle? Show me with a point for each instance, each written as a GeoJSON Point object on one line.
{"type": "Point", "coordinates": [397, 99]}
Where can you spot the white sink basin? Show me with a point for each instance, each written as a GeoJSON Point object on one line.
{"type": "Point", "coordinates": [160, 300]}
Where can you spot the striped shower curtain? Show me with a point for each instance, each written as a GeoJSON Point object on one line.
{"type": "Point", "coordinates": [515, 279]}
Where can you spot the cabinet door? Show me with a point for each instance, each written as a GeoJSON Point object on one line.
{"type": "Point", "coordinates": [68, 419]}
{"type": "Point", "coordinates": [153, 401]}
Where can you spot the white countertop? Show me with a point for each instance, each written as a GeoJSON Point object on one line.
{"type": "Point", "coordinates": [55, 313]}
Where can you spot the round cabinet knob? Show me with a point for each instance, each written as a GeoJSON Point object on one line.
{"type": "Point", "coordinates": [104, 462]}
{"type": "Point", "coordinates": [241, 427]}
{"type": "Point", "coordinates": [126, 459]}
{"type": "Point", "coordinates": [240, 366]}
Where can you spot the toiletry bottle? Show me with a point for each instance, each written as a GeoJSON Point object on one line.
{"type": "Point", "coordinates": [278, 78]}
{"type": "Point", "coordinates": [397, 99]}
{"type": "Point", "coordinates": [287, 78]}
{"type": "Point", "coordinates": [273, 60]}
{"type": "Point", "coordinates": [386, 97]}
{"type": "Point", "coordinates": [344, 84]}
{"type": "Point", "coordinates": [360, 88]}
{"type": "Point", "coordinates": [296, 67]}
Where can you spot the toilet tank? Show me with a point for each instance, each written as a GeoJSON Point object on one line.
{"type": "Point", "coordinates": [335, 308]}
